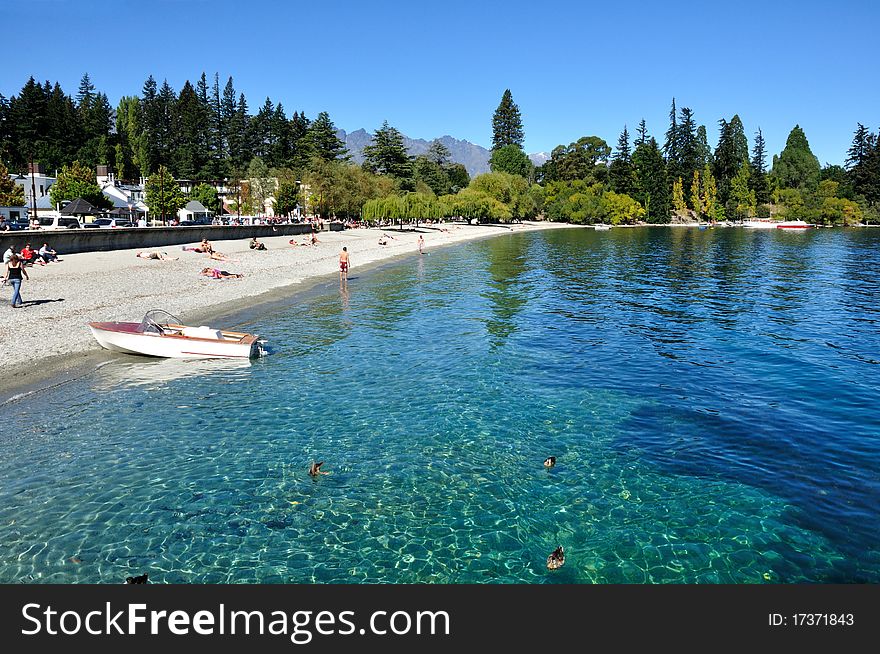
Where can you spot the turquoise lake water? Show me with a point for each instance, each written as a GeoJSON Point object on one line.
{"type": "Point", "coordinates": [711, 398]}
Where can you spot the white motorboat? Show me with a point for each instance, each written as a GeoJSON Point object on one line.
{"type": "Point", "coordinates": [760, 224]}
{"type": "Point", "coordinates": [601, 227]}
{"type": "Point", "coordinates": [160, 334]}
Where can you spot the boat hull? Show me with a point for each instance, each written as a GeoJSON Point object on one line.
{"type": "Point", "coordinates": [123, 337]}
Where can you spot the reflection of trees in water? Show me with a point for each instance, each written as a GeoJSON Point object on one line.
{"type": "Point", "coordinates": [508, 293]}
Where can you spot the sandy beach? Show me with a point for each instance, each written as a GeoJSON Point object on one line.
{"type": "Point", "coordinates": [50, 334]}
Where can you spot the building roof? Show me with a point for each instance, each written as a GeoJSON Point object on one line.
{"type": "Point", "coordinates": [45, 202]}
{"type": "Point", "coordinates": [118, 203]}
{"type": "Point", "coordinates": [80, 207]}
{"type": "Point", "coordinates": [196, 207]}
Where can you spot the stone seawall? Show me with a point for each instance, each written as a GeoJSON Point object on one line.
{"type": "Point", "coordinates": [73, 241]}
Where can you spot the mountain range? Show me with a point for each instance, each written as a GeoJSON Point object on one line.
{"type": "Point", "coordinates": [475, 158]}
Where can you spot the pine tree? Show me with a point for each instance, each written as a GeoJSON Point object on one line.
{"type": "Point", "coordinates": [27, 112]}
{"type": "Point", "coordinates": [86, 94]}
{"type": "Point", "coordinates": [642, 132]}
{"type": "Point", "coordinates": [299, 141]}
{"type": "Point", "coordinates": [149, 143]}
{"type": "Point", "coordinates": [796, 166]}
{"type": "Point", "coordinates": [689, 158]}
{"type": "Point", "coordinates": [228, 107]}
{"type": "Point", "coordinates": [189, 120]}
{"type": "Point", "coordinates": [281, 151]}
{"type": "Point", "coordinates": [260, 130]}
{"type": "Point", "coordinates": [238, 134]}
{"type": "Point", "coordinates": [507, 128]}
{"type": "Point", "coordinates": [671, 146]}
{"type": "Point", "coordinates": [758, 182]}
{"type": "Point", "coordinates": [165, 106]}
{"type": "Point", "coordinates": [704, 152]}
{"type": "Point", "coordinates": [652, 186]}
{"type": "Point", "coordinates": [438, 153]}
{"type": "Point", "coordinates": [324, 142]}
{"type": "Point", "coordinates": [732, 149]}
{"type": "Point", "coordinates": [217, 147]}
{"type": "Point", "coordinates": [387, 154]}
{"type": "Point", "coordinates": [620, 172]}
{"type": "Point", "coordinates": [63, 130]}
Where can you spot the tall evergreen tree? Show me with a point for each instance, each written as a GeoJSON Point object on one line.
{"type": "Point", "coordinates": [150, 126]}
{"type": "Point", "coordinates": [260, 130]}
{"type": "Point", "coordinates": [507, 127]}
{"type": "Point", "coordinates": [281, 152]}
{"type": "Point", "coordinates": [324, 142]}
{"type": "Point", "coordinates": [671, 145]}
{"type": "Point", "coordinates": [652, 188]}
{"type": "Point", "coordinates": [238, 134]}
{"type": "Point", "coordinates": [301, 150]}
{"type": "Point", "coordinates": [166, 101]}
{"type": "Point", "coordinates": [796, 166]}
{"type": "Point", "coordinates": [689, 155]}
{"type": "Point", "coordinates": [218, 154]}
{"type": "Point", "coordinates": [857, 161]}
{"type": "Point", "coordinates": [642, 134]}
{"type": "Point", "coordinates": [387, 154]}
{"type": "Point", "coordinates": [63, 130]}
{"type": "Point", "coordinates": [27, 115]}
{"type": "Point", "coordinates": [704, 151]}
{"type": "Point", "coordinates": [438, 153]}
{"type": "Point", "coordinates": [190, 118]}
{"type": "Point", "coordinates": [733, 148]}
{"type": "Point", "coordinates": [758, 181]}
{"type": "Point", "coordinates": [228, 108]}
{"type": "Point", "coordinates": [86, 94]}
{"type": "Point", "coordinates": [621, 171]}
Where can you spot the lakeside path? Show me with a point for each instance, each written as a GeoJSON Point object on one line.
{"type": "Point", "coordinates": [50, 333]}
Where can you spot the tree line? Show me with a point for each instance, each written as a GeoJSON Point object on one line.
{"type": "Point", "coordinates": [205, 133]}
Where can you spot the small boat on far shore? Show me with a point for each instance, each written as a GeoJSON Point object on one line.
{"type": "Point", "coordinates": [160, 334]}
{"type": "Point", "coordinates": [794, 224]}
{"type": "Point", "coordinates": [601, 227]}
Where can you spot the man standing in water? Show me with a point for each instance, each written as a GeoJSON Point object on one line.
{"type": "Point", "coordinates": [343, 265]}
{"type": "Point", "coordinates": [421, 244]}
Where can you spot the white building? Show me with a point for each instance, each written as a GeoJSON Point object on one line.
{"type": "Point", "coordinates": [39, 182]}
{"type": "Point", "coordinates": [194, 210]}
{"type": "Point", "coordinates": [14, 214]}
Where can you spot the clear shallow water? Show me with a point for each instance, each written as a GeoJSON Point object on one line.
{"type": "Point", "coordinates": [710, 395]}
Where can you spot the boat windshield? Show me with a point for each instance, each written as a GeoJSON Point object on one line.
{"type": "Point", "coordinates": [156, 320]}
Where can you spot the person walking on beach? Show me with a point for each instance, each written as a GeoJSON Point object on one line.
{"type": "Point", "coordinates": [421, 244]}
{"type": "Point", "coordinates": [343, 264]}
{"type": "Point", "coordinates": [14, 271]}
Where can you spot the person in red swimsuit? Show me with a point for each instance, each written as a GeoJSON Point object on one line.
{"type": "Point", "coordinates": [343, 264]}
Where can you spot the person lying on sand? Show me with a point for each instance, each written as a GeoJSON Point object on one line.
{"type": "Point", "coordinates": [218, 256]}
{"type": "Point", "coordinates": [293, 242]}
{"type": "Point", "coordinates": [156, 254]}
{"type": "Point", "coordinates": [216, 273]}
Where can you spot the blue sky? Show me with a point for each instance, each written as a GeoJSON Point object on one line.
{"type": "Point", "coordinates": [435, 68]}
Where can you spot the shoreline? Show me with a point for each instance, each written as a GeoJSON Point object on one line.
{"type": "Point", "coordinates": [48, 342]}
